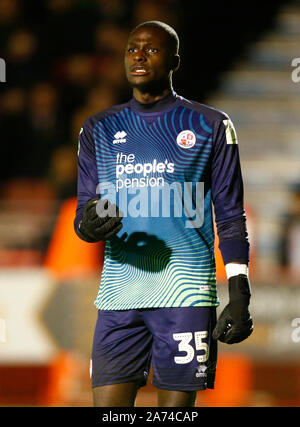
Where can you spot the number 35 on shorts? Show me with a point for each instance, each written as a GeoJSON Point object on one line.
{"type": "Point", "coordinates": [185, 339]}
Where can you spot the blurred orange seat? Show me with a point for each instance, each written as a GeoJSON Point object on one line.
{"type": "Point", "coordinates": [234, 382]}
{"type": "Point", "coordinates": [67, 255]}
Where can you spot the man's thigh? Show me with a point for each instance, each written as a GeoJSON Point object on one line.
{"type": "Point", "coordinates": [121, 350]}
{"type": "Point", "coordinates": [184, 354]}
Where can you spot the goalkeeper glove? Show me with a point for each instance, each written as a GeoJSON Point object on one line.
{"type": "Point", "coordinates": [235, 323]}
{"type": "Point", "coordinates": [101, 220]}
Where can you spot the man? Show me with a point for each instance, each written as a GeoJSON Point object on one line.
{"type": "Point", "coordinates": [157, 162]}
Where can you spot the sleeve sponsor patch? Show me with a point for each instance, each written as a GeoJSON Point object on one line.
{"type": "Point", "coordinates": [231, 137]}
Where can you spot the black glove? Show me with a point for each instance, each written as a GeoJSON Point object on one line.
{"type": "Point", "coordinates": [101, 220]}
{"type": "Point", "coordinates": [235, 323]}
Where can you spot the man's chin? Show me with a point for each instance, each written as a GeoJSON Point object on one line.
{"type": "Point", "coordinates": [141, 83]}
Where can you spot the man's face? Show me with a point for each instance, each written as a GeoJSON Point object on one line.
{"type": "Point", "coordinates": [148, 58]}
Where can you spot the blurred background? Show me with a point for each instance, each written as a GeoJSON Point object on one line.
{"type": "Point", "coordinates": [64, 62]}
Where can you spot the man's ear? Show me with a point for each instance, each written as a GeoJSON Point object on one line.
{"type": "Point", "coordinates": [175, 62]}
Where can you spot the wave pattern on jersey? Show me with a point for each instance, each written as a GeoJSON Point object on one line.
{"type": "Point", "coordinates": [159, 262]}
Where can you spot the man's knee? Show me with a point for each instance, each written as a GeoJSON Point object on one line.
{"type": "Point", "coordinates": [176, 398]}
{"type": "Point", "coordinates": [115, 395]}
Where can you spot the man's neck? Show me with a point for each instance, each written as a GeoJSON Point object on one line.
{"type": "Point", "coordinates": [148, 97]}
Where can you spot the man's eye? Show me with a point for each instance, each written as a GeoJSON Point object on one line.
{"type": "Point", "coordinates": [131, 49]}
{"type": "Point", "coordinates": [152, 50]}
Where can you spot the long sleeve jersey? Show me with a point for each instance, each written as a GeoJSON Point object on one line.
{"type": "Point", "coordinates": [164, 164]}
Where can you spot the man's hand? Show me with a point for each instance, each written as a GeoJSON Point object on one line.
{"type": "Point", "coordinates": [101, 220]}
{"type": "Point", "coordinates": [235, 323]}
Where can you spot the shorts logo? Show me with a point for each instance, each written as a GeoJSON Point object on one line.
{"type": "Point", "coordinates": [119, 137]}
{"type": "Point", "coordinates": [201, 371]}
{"type": "Point", "coordinates": [186, 139]}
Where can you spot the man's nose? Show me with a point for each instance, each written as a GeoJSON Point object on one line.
{"type": "Point", "coordinates": [139, 56]}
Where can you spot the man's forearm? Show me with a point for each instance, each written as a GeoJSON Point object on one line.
{"type": "Point", "coordinates": [233, 241]}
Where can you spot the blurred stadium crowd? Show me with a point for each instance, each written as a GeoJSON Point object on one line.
{"type": "Point", "coordinates": [64, 63]}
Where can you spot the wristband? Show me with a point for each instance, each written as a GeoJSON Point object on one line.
{"type": "Point", "coordinates": [233, 269]}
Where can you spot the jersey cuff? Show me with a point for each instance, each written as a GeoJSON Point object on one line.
{"type": "Point", "coordinates": [234, 250]}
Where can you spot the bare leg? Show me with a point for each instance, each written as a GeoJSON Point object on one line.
{"type": "Point", "coordinates": [115, 395]}
{"type": "Point", "coordinates": [176, 398]}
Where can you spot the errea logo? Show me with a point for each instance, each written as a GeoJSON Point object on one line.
{"type": "Point", "coordinates": [119, 137]}
{"type": "Point", "coordinates": [201, 371]}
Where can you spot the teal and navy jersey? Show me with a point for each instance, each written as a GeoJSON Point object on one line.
{"type": "Point", "coordinates": [163, 164]}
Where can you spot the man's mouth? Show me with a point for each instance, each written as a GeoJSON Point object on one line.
{"type": "Point", "coordinates": [139, 71]}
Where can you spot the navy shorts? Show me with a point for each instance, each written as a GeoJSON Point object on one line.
{"type": "Point", "coordinates": [176, 341]}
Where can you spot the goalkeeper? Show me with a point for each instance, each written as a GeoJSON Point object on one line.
{"type": "Point", "coordinates": [157, 297]}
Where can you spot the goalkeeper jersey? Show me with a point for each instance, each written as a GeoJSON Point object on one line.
{"type": "Point", "coordinates": [163, 164]}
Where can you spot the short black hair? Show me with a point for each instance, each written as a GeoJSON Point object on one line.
{"type": "Point", "coordinates": [171, 33]}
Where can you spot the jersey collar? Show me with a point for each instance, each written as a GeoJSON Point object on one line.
{"type": "Point", "coordinates": [156, 106]}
